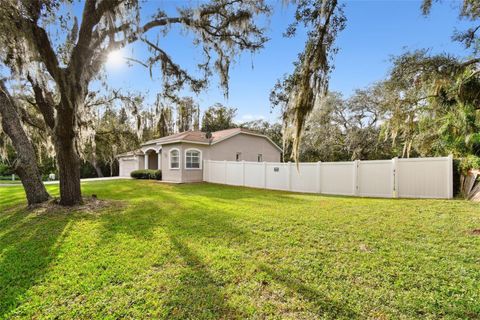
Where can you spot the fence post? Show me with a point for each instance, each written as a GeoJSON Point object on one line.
{"type": "Point", "coordinates": [225, 171]}
{"type": "Point", "coordinates": [355, 177]}
{"type": "Point", "coordinates": [395, 177]}
{"type": "Point", "coordinates": [289, 176]}
{"type": "Point", "coordinates": [243, 173]}
{"type": "Point", "coordinates": [265, 175]}
{"type": "Point", "coordinates": [319, 177]}
{"type": "Point", "coordinates": [205, 170]}
{"type": "Point", "coordinates": [450, 177]}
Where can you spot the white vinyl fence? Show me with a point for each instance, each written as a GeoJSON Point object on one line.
{"type": "Point", "coordinates": [396, 178]}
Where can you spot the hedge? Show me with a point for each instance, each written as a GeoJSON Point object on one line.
{"type": "Point", "coordinates": [147, 174]}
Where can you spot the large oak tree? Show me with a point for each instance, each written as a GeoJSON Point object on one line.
{"type": "Point", "coordinates": [61, 53]}
{"type": "Point", "coordinates": [25, 164]}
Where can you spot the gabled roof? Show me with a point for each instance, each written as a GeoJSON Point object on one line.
{"type": "Point", "coordinates": [199, 137]}
{"type": "Point", "coordinates": [130, 153]}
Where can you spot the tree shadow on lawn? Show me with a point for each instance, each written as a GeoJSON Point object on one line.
{"type": "Point", "coordinates": [323, 304]}
{"type": "Point", "coordinates": [26, 252]}
{"type": "Point", "coordinates": [176, 225]}
{"type": "Point", "coordinates": [10, 199]}
{"type": "Point", "coordinates": [198, 294]}
{"type": "Point", "coordinates": [196, 291]}
{"type": "Point", "coordinates": [197, 218]}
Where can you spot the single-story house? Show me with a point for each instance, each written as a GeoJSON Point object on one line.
{"type": "Point", "coordinates": [180, 156]}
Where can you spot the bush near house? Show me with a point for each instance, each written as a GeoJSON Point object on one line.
{"type": "Point", "coordinates": [147, 174]}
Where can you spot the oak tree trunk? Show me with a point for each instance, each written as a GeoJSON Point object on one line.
{"type": "Point", "coordinates": [25, 165]}
{"type": "Point", "coordinates": [68, 160]}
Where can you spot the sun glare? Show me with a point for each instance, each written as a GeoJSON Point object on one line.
{"type": "Point", "coordinates": [115, 58]}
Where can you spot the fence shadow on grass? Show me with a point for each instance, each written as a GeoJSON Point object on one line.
{"type": "Point", "coordinates": [27, 251]}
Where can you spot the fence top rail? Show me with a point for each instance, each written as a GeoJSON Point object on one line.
{"type": "Point", "coordinates": [343, 163]}
{"type": "Point", "coordinates": [375, 161]}
{"type": "Point", "coordinates": [334, 162]}
{"type": "Point", "coordinates": [423, 159]}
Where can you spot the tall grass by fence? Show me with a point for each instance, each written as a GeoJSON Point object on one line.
{"type": "Point", "coordinates": [395, 178]}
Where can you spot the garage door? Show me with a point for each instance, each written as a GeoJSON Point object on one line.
{"type": "Point", "coordinates": [127, 165]}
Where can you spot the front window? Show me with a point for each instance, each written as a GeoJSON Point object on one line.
{"type": "Point", "coordinates": [259, 157]}
{"type": "Point", "coordinates": [238, 157]}
{"type": "Point", "coordinates": [174, 159]}
{"type": "Point", "coordinates": [192, 159]}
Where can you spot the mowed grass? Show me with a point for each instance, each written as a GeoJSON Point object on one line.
{"type": "Point", "coordinates": [204, 251]}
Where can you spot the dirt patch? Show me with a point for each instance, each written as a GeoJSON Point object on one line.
{"type": "Point", "coordinates": [475, 232]}
{"type": "Point", "coordinates": [90, 205]}
{"type": "Point", "coordinates": [364, 248]}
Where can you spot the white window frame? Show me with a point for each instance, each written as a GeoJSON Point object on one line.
{"type": "Point", "coordinates": [200, 160]}
{"type": "Point", "coordinates": [170, 159]}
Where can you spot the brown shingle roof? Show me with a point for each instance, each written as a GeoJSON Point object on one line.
{"type": "Point", "coordinates": [199, 136]}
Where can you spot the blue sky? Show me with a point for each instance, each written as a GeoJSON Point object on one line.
{"type": "Point", "coordinates": [375, 31]}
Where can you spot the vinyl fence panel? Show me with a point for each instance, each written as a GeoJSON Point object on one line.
{"type": "Point", "coordinates": [304, 178]}
{"type": "Point", "coordinates": [234, 173]}
{"type": "Point", "coordinates": [337, 178]}
{"type": "Point", "coordinates": [375, 178]}
{"type": "Point", "coordinates": [405, 178]}
{"type": "Point", "coordinates": [277, 175]}
{"type": "Point", "coordinates": [216, 171]}
{"type": "Point", "coordinates": [254, 174]}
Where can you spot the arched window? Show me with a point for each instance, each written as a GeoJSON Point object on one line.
{"type": "Point", "coordinates": [174, 159]}
{"type": "Point", "coordinates": [193, 159]}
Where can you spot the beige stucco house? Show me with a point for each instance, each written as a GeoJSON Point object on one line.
{"type": "Point", "coordinates": [180, 156]}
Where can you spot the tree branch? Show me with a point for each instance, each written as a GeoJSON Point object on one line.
{"type": "Point", "coordinates": [44, 48]}
{"type": "Point", "coordinates": [44, 104]}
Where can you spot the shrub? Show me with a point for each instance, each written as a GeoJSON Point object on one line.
{"type": "Point", "coordinates": [469, 162]}
{"type": "Point", "coordinates": [147, 174]}
{"type": "Point", "coordinates": [5, 170]}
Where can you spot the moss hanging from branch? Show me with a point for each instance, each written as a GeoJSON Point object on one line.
{"type": "Point", "coordinates": [309, 82]}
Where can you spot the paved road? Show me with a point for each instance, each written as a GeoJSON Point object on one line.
{"type": "Point", "coordinates": [56, 181]}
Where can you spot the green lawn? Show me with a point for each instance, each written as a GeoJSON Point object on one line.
{"type": "Point", "coordinates": [10, 182]}
{"type": "Point", "coordinates": [204, 251]}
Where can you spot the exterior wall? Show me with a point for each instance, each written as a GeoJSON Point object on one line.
{"type": "Point", "coordinates": [182, 174]}
{"type": "Point", "coordinates": [141, 162]}
{"type": "Point", "coordinates": [249, 146]}
{"type": "Point", "coordinates": [167, 173]}
{"type": "Point", "coordinates": [194, 175]}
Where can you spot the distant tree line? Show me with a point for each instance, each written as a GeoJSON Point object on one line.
{"type": "Point", "coordinates": [122, 122]}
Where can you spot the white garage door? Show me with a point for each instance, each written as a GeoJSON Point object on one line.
{"type": "Point", "coordinates": [127, 165]}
